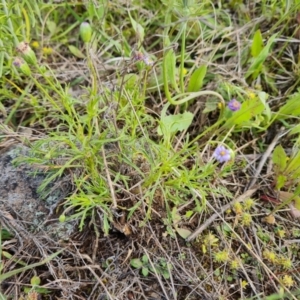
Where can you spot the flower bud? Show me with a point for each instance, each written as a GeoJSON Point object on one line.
{"type": "Point", "coordinates": [35, 280]}
{"type": "Point", "coordinates": [22, 65]}
{"type": "Point", "coordinates": [27, 53]}
{"type": "Point", "coordinates": [85, 32]}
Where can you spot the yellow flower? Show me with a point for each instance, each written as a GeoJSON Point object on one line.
{"type": "Point", "coordinates": [35, 44]}
{"type": "Point", "coordinates": [237, 207]}
{"type": "Point", "coordinates": [222, 256]}
{"type": "Point", "coordinates": [248, 204]}
{"type": "Point", "coordinates": [220, 105]}
{"type": "Point", "coordinates": [270, 256]}
{"type": "Point", "coordinates": [251, 95]}
{"type": "Point", "coordinates": [244, 284]}
{"type": "Point", "coordinates": [209, 241]}
{"type": "Point", "coordinates": [47, 50]}
{"type": "Point", "coordinates": [246, 219]}
{"type": "Point", "coordinates": [286, 263]}
{"type": "Point", "coordinates": [235, 264]}
{"type": "Point", "coordinates": [281, 233]}
{"type": "Point", "coordinates": [287, 281]}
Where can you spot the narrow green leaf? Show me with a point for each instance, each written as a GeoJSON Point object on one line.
{"type": "Point", "coordinates": [263, 97]}
{"type": "Point", "coordinates": [295, 130]}
{"type": "Point", "coordinates": [291, 108]}
{"type": "Point", "coordinates": [293, 164]}
{"type": "Point", "coordinates": [76, 52]}
{"type": "Point", "coordinates": [260, 59]}
{"type": "Point", "coordinates": [170, 64]}
{"type": "Point", "coordinates": [196, 80]}
{"type": "Point", "coordinates": [106, 225]}
{"type": "Point", "coordinates": [138, 28]}
{"type": "Point", "coordinates": [29, 267]}
{"type": "Point", "coordinates": [257, 44]}
{"type": "Point", "coordinates": [279, 158]}
{"type": "Point", "coordinates": [1, 70]}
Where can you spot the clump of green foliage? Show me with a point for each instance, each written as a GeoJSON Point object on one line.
{"type": "Point", "coordinates": [126, 125]}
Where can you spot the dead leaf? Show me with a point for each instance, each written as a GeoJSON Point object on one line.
{"type": "Point", "coordinates": [270, 219]}
{"type": "Point", "coordinates": [283, 196]}
{"type": "Point", "coordinates": [295, 213]}
{"type": "Point", "coordinates": [123, 228]}
{"type": "Point", "coordinates": [184, 233]}
{"type": "Point", "coordinates": [295, 200]}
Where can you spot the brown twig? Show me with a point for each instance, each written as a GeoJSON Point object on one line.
{"type": "Point", "coordinates": [263, 159]}
{"type": "Point", "coordinates": [198, 231]}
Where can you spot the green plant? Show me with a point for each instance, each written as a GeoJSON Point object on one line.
{"type": "Point", "coordinates": [161, 267]}
{"type": "Point", "coordinates": [259, 54]}
{"type": "Point", "coordinates": [35, 282]}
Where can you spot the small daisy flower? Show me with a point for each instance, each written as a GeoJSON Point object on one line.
{"type": "Point", "coordinates": [221, 154]}
{"type": "Point", "coordinates": [234, 105]}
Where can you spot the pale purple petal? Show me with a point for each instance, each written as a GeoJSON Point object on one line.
{"type": "Point", "coordinates": [221, 154]}
{"type": "Point", "coordinates": [234, 105]}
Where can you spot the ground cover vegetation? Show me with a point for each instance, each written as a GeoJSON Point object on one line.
{"type": "Point", "coordinates": [175, 125]}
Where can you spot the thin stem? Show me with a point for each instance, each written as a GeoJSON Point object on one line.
{"type": "Point", "coordinates": [181, 74]}
{"type": "Point", "coordinates": [17, 105]}
{"type": "Point", "coordinates": [166, 45]}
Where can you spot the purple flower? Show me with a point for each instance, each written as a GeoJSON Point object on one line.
{"type": "Point", "coordinates": [19, 63]}
{"type": "Point", "coordinates": [234, 105]}
{"type": "Point", "coordinates": [221, 154]}
{"type": "Point", "coordinates": [148, 61]}
{"type": "Point", "coordinates": [138, 56]}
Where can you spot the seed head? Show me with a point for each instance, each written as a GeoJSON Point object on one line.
{"type": "Point", "coordinates": [27, 53]}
